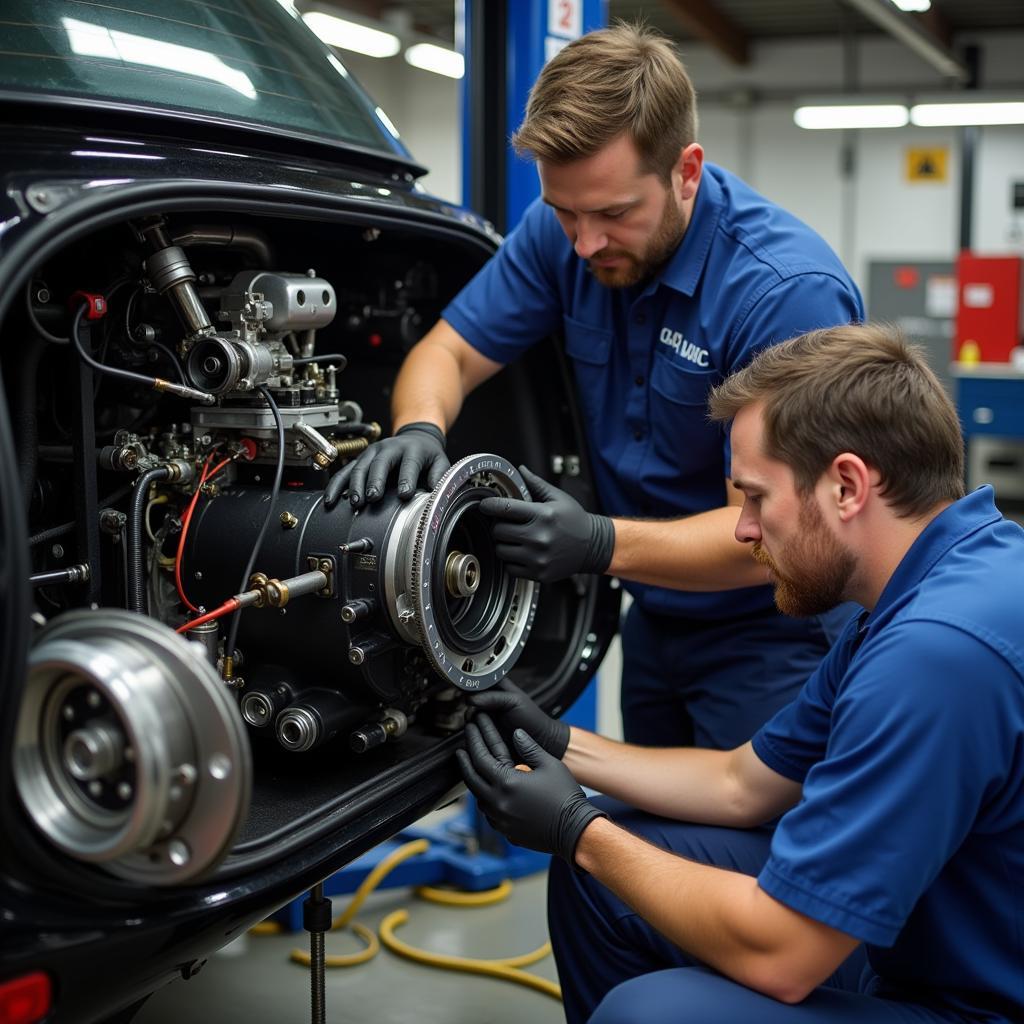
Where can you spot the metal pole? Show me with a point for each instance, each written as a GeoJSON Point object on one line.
{"type": "Point", "coordinates": [316, 919]}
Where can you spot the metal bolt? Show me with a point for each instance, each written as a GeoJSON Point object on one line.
{"type": "Point", "coordinates": [198, 574]}
{"type": "Point", "coordinates": [124, 791]}
{"type": "Point", "coordinates": [324, 565]}
{"type": "Point", "coordinates": [178, 852]}
{"type": "Point", "coordinates": [289, 521]}
{"type": "Point", "coordinates": [93, 700]}
{"type": "Point", "coordinates": [57, 550]}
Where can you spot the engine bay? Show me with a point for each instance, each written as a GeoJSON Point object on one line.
{"type": "Point", "coordinates": [220, 663]}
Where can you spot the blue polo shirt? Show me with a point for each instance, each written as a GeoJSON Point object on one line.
{"type": "Point", "coordinates": [909, 742]}
{"type": "Point", "coordinates": [747, 274]}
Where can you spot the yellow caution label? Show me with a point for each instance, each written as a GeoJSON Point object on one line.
{"type": "Point", "coordinates": [927, 164]}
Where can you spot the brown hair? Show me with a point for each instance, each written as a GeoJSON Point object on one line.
{"type": "Point", "coordinates": [858, 388]}
{"type": "Point", "coordinates": [626, 78]}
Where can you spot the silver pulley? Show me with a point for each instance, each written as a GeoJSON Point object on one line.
{"type": "Point", "coordinates": [129, 751]}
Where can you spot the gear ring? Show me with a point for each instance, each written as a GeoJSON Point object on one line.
{"type": "Point", "coordinates": [466, 670]}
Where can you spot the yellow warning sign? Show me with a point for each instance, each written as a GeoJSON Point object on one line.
{"type": "Point", "coordinates": [929, 164]}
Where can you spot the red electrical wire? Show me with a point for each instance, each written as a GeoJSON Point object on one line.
{"type": "Point", "coordinates": [228, 606]}
{"type": "Point", "coordinates": [207, 474]}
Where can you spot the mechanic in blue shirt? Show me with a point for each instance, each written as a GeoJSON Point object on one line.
{"type": "Point", "coordinates": [892, 889]}
{"type": "Point", "coordinates": [664, 274]}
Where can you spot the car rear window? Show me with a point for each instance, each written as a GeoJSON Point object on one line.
{"type": "Point", "coordinates": [245, 60]}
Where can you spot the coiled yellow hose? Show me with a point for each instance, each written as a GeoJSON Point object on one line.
{"type": "Point", "coordinates": [504, 968]}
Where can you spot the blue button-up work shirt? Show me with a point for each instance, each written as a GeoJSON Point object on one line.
{"type": "Point", "coordinates": [909, 742]}
{"type": "Point", "coordinates": [747, 274]}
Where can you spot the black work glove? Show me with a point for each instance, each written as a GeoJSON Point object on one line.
{"type": "Point", "coordinates": [550, 538]}
{"type": "Point", "coordinates": [512, 709]}
{"type": "Point", "coordinates": [543, 809]}
{"type": "Point", "coordinates": [417, 449]}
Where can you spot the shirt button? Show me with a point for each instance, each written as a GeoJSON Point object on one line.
{"type": "Point", "coordinates": [638, 435]}
{"type": "Point", "coordinates": [640, 318]}
{"type": "Point", "coordinates": [638, 380]}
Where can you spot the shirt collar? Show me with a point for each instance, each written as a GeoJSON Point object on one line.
{"type": "Point", "coordinates": [964, 517]}
{"type": "Point", "coordinates": [684, 269]}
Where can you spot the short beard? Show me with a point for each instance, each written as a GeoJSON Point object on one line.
{"type": "Point", "coordinates": [664, 242]}
{"type": "Point", "coordinates": [820, 568]}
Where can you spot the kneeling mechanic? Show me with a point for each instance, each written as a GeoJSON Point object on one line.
{"type": "Point", "coordinates": [890, 889]}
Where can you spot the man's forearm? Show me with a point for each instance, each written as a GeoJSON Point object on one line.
{"type": "Point", "coordinates": [697, 553]}
{"type": "Point", "coordinates": [722, 918]}
{"type": "Point", "coordinates": [710, 787]}
{"type": "Point", "coordinates": [428, 388]}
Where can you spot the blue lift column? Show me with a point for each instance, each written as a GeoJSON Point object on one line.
{"type": "Point", "coordinates": [506, 43]}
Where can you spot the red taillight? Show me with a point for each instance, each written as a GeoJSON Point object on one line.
{"type": "Point", "coordinates": [25, 1000]}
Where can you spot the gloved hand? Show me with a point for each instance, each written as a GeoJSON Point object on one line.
{"type": "Point", "coordinates": [512, 709]}
{"type": "Point", "coordinates": [416, 448]}
{"type": "Point", "coordinates": [543, 809]}
{"type": "Point", "coordinates": [550, 538]}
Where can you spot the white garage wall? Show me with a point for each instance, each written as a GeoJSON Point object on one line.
{"type": "Point", "coordinates": [878, 213]}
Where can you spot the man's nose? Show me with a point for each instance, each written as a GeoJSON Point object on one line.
{"type": "Point", "coordinates": [748, 527]}
{"type": "Point", "coordinates": [589, 240]}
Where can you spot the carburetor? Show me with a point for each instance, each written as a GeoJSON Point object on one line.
{"type": "Point", "coordinates": [261, 307]}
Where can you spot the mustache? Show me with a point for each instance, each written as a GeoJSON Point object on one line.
{"type": "Point", "coordinates": [762, 557]}
{"type": "Point", "coordinates": [610, 254]}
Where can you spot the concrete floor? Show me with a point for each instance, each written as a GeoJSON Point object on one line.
{"type": "Point", "coordinates": [253, 981]}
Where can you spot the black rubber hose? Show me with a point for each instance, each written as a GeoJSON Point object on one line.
{"type": "Point", "coordinates": [53, 532]}
{"type": "Point", "coordinates": [275, 490]}
{"type": "Point", "coordinates": [136, 518]}
{"type": "Point", "coordinates": [112, 371]}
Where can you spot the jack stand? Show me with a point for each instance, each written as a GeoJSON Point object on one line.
{"type": "Point", "coordinates": [316, 919]}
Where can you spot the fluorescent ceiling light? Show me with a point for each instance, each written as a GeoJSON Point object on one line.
{"type": "Point", "coordinates": [848, 115]}
{"type": "Point", "coordinates": [347, 35]}
{"type": "Point", "coordinates": [913, 5]}
{"type": "Point", "coordinates": [934, 115]}
{"type": "Point", "coordinates": [441, 61]}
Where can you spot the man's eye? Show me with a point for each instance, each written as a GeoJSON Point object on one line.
{"type": "Point", "coordinates": [616, 215]}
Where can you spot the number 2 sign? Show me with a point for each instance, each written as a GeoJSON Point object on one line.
{"type": "Point", "coordinates": [565, 18]}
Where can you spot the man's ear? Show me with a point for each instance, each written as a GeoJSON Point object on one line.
{"type": "Point", "coordinates": [850, 481]}
{"type": "Point", "coordinates": [687, 170]}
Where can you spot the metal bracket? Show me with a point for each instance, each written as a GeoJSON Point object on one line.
{"type": "Point", "coordinates": [327, 564]}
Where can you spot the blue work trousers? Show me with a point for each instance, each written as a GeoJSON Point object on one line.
{"type": "Point", "coordinates": [686, 682]}
{"type": "Point", "coordinates": [616, 969]}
